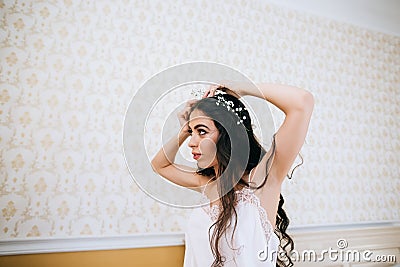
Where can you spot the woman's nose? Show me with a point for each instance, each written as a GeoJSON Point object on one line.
{"type": "Point", "coordinates": [193, 141]}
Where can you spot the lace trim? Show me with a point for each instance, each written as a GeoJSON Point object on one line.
{"type": "Point", "coordinates": [247, 196]}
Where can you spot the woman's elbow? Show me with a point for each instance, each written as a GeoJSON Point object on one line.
{"type": "Point", "coordinates": [307, 102]}
{"type": "Point", "coordinates": [154, 165]}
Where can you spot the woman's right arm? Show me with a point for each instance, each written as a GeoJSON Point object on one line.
{"type": "Point", "coordinates": [163, 162]}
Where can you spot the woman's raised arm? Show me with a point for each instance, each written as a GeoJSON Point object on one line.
{"type": "Point", "coordinates": [297, 104]}
{"type": "Point", "coordinates": [163, 161]}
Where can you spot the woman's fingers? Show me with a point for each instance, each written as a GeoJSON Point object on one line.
{"type": "Point", "coordinates": [210, 92]}
{"type": "Point", "coordinates": [206, 93]}
{"type": "Point", "coordinates": [191, 102]}
{"type": "Point", "coordinates": [183, 115]}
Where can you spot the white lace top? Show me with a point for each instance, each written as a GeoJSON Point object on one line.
{"type": "Point", "coordinates": [254, 241]}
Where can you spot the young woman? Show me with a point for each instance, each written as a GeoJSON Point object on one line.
{"type": "Point", "coordinates": [245, 224]}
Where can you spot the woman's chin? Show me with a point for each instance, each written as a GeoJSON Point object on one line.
{"type": "Point", "coordinates": [205, 163]}
{"type": "Point", "coordinates": [201, 165]}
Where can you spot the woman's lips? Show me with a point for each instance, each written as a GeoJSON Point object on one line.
{"type": "Point", "coordinates": [196, 156]}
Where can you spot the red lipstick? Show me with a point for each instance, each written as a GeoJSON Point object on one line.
{"type": "Point", "coordinates": [196, 156]}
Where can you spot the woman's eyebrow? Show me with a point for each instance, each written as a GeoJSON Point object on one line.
{"type": "Point", "coordinates": [201, 125]}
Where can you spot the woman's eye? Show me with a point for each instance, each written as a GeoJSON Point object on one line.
{"type": "Point", "coordinates": [202, 132]}
{"type": "Point", "coordinates": [190, 131]}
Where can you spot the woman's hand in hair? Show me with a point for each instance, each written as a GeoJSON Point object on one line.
{"type": "Point", "coordinates": [227, 87]}
{"type": "Point", "coordinates": [183, 115]}
{"type": "Point", "coordinates": [210, 92]}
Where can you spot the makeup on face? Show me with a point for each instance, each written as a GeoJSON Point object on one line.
{"type": "Point", "coordinates": [203, 139]}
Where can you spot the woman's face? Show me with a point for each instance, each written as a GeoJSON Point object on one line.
{"type": "Point", "coordinates": [204, 136]}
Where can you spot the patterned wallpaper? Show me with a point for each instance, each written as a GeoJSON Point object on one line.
{"type": "Point", "coordinates": [69, 69]}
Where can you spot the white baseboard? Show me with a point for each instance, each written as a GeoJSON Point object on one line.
{"type": "Point", "coordinates": [352, 245]}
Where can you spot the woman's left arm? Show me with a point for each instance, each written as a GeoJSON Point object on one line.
{"type": "Point", "coordinates": [297, 104]}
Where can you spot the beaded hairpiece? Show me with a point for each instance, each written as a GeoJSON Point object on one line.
{"type": "Point", "coordinates": [221, 101]}
{"type": "Point", "coordinates": [197, 92]}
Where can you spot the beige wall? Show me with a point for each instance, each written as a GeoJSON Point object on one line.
{"type": "Point", "coordinates": [69, 69]}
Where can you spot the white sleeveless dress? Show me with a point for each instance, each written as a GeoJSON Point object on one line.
{"type": "Point", "coordinates": [254, 241]}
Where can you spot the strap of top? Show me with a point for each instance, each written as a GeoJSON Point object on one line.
{"type": "Point", "coordinates": [250, 176]}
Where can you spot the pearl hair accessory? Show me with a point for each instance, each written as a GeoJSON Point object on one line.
{"type": "Point", "coordinates": [198, 92]}
{"type": "Point", "coordinates": [221, 101]}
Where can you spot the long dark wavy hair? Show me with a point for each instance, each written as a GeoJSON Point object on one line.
{"type": "Point", "coordinates": [226, 122]}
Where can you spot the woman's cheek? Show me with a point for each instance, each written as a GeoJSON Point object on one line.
{"type": "Point", "coordinates": [208, 146]}
{"type": "Point", "coordinates": [208, 150]}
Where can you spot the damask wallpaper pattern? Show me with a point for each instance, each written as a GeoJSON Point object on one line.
{"type": "Point", "coordinates": [69, 69]}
